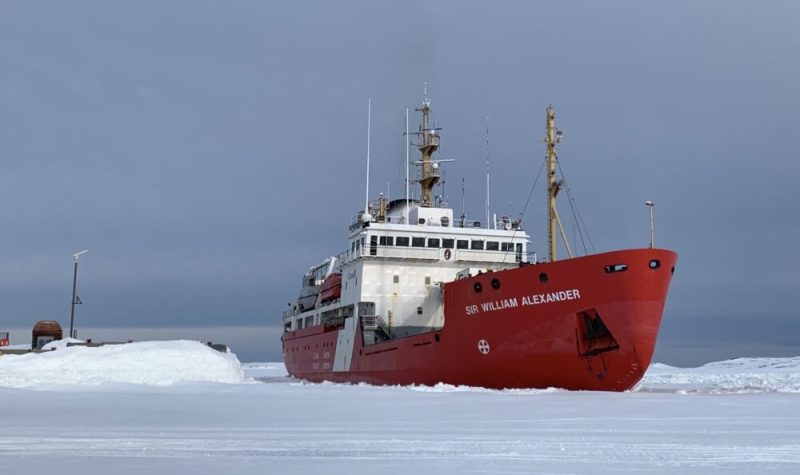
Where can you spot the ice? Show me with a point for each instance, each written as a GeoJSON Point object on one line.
{"type": "Point", "coordinates": [153, 363]}
{"type": "Point", "coordinates": [722, 423]}
{"type": "Point", "coordinates": [265, 371]}
{"type": "Point", "coordinates": [733, 376]}
{"type": "Point", "coordinates": [21, 346]}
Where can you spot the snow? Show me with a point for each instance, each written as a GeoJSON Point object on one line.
{"type": "Point", "coordinates": [741, 375]}
{"type": "Point", "coordinates": [153, 363]}
{"type": "Point", "coordinates": [737, 416]}
{"type": "Point", "coordinates": [271, 371]}
{"type": "Point", "coordinates": [16, 347]}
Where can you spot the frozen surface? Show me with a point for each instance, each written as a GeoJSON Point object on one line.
{"type": "Point", "coordinates": [156, 363]}
{"type": "Point", "coordinates": [741, 375]}
{"type": "Point", "coordinates": [266, 371]}
{"type": "Point", "coordinates": [713, 419]}
{"type": "Point", "coordinates": [21, 346]}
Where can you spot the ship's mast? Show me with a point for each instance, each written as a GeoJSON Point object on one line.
{"type": "Point", "coordinates": [429, 143]}
{"type": "Point", "coordinates": [553, 137]}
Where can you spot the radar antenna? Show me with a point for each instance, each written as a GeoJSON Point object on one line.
{"type": "Point", "coordinates": [429, 143]}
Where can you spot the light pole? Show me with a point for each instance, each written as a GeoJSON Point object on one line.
{"type": "Point", "coordinates": [650, 205]}
{"type": "Point", "coordinates": [75, 299]}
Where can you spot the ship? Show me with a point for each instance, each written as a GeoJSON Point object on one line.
{"type": "Point", "coordinates": [421, 297]}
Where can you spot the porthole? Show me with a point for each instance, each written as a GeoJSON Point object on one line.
{"type": "Point", "coordinates": [478, 287]}
{"type": "Point", "coordinates": [495, 284]}
{"type": "Point", "coordinates": [436, 337]}
{"type": "Point", "coordinates": [655, 264]}
{"type": "Point", "coordinates": [543, 278]}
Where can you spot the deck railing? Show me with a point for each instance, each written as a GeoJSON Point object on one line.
{"type": "Point", "coordinates": [375, 322]}
{"type": "Point", "coordinates": [504, 222]}
{"type": "Point", "coordinates": [431, 254]}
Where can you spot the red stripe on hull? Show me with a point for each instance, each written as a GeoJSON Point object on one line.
{"type": "Point", "coordinates": [518, 337]}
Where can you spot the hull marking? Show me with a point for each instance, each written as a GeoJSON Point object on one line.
{"type": "Point", "coordinates": [483, 347]}
{"type": "Point", "coordinates": [527, 300]}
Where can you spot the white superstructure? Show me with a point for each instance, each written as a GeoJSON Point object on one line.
{"type": "Point", "coordinates": [398, 255]}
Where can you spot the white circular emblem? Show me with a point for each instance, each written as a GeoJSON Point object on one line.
{"type": "Point", "coordinates": [483, 347]}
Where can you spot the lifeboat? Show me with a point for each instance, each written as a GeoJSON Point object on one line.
{"type": "Point", "coordinates": [331, 289]}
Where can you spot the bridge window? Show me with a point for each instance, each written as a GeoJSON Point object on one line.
{"type": "Point", "coordinates": [506, 246]}
{"type": "Point", "coordinates": [477, 245]}
{"type": "Point", "coordinates": [387, 241]}
{"type": "Point", "coordinates": [492, 245]}
{"type": "Point", "coordinates": [417, 242]}
{"type": "Point", "coordinates": [462, 244]}
{"type": "Point", "coordinates": [433, 242]}
{"type": "Point", "coordinates": [401, 241]}
{"type": "Point", "coordinates": [448, 243]}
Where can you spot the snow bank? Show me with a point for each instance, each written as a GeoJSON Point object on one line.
{"type": "Point", "coordinates": [155, 363]}
{"type": "Point", "coordinates": [21, 346]}
{"type": "Point", "coordinates": [741, 375]}
{"type": "Point", "coordinates": [449, 388]}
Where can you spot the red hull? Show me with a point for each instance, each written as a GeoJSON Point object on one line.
{"type": "Point", "coordinates": [526, 332]}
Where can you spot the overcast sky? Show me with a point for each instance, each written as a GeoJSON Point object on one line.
{"type": "Point", "coordinates": [208, 152]}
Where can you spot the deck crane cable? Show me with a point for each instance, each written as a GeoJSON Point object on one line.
{"type": "Point", "coordinates": [527, 202]}
{"type": "Point", "coordinates": [576, 215]}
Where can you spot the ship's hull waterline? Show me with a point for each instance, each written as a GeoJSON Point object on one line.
{"type": "Point", "coordinates": [586, 323]}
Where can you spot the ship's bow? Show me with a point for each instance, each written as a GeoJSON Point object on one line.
{"type": "Point", "coordinates": [584, 323]}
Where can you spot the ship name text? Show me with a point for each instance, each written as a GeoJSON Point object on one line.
{"type": "Point", "coordinates": [527, 300]}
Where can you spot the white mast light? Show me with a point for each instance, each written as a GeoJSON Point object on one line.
{"type": "Point", "coordinates": [650, 205]}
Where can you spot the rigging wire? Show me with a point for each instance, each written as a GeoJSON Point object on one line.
{"type": "Point", "coordinates": [576, 215]}
{"type": "Point", "coordinates": [527, 202]}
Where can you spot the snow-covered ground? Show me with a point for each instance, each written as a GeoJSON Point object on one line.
{"type": "Point", "coordinates": [738, 416]}
{"type": "Point", "coordinates": [742, 375]}
{"type": "Point", "coordinates": [158, 363]}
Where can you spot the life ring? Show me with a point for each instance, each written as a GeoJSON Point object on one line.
{"type": "Point", "coordinates": [447, 254]}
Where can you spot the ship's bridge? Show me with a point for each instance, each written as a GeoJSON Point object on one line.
{"type": "Point", "coordinates": [400, 231]}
